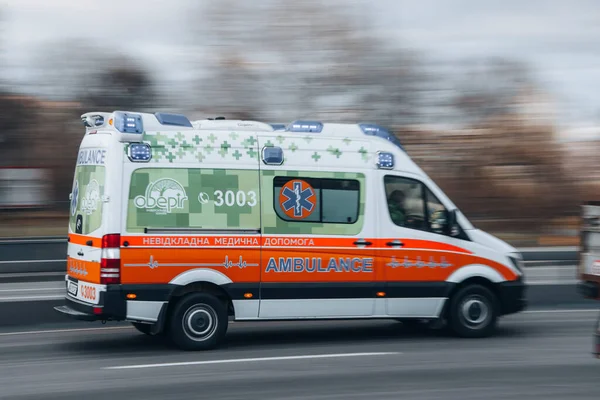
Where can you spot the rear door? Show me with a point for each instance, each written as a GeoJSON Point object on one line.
{"type": "Point", "coordinates": [86, 215]}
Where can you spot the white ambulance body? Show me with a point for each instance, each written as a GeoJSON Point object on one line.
{"type": "Point", "coordinates": [177, 226]}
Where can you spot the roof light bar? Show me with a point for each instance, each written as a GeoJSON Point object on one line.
{"type": "Point", "coordinates": [173, 119]}
{"type": "Point", "coordinates": [379, 131]}
{"type": "Point", "coordinates": [128, 123]}
{"type": "Point", "coordinates": [305, 126]}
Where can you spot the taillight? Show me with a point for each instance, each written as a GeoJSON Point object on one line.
{"type": "Point", "coordinates": [110, 263]}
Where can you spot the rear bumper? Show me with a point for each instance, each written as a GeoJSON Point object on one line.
{"type": "Point", "coordinates": [512, 296]}
{"type": "Point", "coordinates": [113, 304]}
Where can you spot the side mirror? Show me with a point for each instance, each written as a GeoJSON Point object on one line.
{"type": "Point", "coordinates": [450, 228]}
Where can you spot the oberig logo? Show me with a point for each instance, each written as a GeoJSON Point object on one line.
{"type": "Point", "coordinates": [162, 196]}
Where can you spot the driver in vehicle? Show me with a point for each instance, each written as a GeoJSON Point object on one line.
{"type": "Point", "coordinates": [396, 205]}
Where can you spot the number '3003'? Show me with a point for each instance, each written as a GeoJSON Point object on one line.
{"type": "Point", "coordinates": [231, 198]}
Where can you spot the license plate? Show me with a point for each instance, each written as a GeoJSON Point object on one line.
{"type": "Point", "coordinates": [86, 292]}
{"type": "Point", "coordinates": [72, 288]}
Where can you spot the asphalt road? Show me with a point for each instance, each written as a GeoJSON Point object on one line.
{"type": "Point", "coordinates": [536, 355]}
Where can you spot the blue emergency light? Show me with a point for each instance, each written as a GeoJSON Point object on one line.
{"type": "Point", "coordinates": [305, 126]}
{"type": "Point", "coordinates": [385, 160]}
{"type": "Point", "coordinates": [173, 119]}
{"type": "Point", "coordinates": [128, 123]}
{"type": "Point", "coordinates": [139, 152]}
{"type": "Point", "coordinates": [379, 131]}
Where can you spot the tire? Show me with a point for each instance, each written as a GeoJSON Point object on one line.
{"type": "Point", "coordinates": [473, 312]}
{"type": "Point", "coordinates": [198, 322]}
{"type": "Point", "coordinates": [143, 328]}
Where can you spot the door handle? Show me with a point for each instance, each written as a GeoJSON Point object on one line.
{"type": "Point", "coordinates": [362, 243]}
{"type": "Point", "coordinates": [80, 253]}
{"type": "Point", "coordinates": [395, 243]}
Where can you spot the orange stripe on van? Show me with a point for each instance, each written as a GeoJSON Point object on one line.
{"type": "Point", "coordinates": [87, 271]}
{"type": "Point", "coordinates": [410, 244]}
{"type": "Point", "coordinates": [83, 240]}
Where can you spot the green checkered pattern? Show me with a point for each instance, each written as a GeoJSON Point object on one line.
{"type": "Point", "coordinates": [198, 185]}
{"type": "Point", "coordinates": [272, 224]}
{"type": "Point", "coordinates": [85, 174]}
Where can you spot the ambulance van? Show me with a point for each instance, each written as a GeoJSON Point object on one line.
{"type": "Point", "coordinates": [180, 226]}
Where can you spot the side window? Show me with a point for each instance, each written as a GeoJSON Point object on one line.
{"type": "Point", "coordinates": [317, 200]}
{"type": "Point", "coordinates": [405, 202]}
{"type": "Point", "coordinates": [436, 213]}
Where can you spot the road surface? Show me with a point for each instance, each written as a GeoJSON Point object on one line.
{"type": "Point", "coordinates": [540, 354]}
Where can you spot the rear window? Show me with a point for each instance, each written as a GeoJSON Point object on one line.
{"type": "Point", "coordinates": [85, 214]}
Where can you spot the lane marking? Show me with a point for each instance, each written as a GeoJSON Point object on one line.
{"type": "Point", "coordinates": [582, 310]}
{"type": "Point", "coordinates": [59, 289]}
{"type": "Point", "coordinates": [65, 330]}
{"type": "Point", "coordinates": [31, 261]}
{"type": "Point", "coordinates": [30, 298]}
{"type": "Point", "coordinates": [245, 360]}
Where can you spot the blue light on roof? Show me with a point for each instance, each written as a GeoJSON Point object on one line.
{"type": "Point", "coordinates": [385, 160]}
{"type": "Point", "coordinates": [305, 126]}
{"type": "Point", "coordinates": [173, 119]}
{"type": "Point", "coordinates": [278, 127]}
{"type": "Point", "coordinates": [379, 131]}
{"type": "Point", "coordinates": [128, 123]}
{"type": "Point", "coordinates": [139, 152]}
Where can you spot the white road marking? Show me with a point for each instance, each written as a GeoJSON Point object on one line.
{"type": "Point", "coordinates": [244, 360]}
{"type": "Point", "coordinates": [31, 261]}
{"type": "Point", "coordinates": [583, 310]}
{"type": "Point", "coordinates": [65, 330]}
{"type": "Point", "coordinates": [28, 298]}
{"type": "Point", "coordinates": [33, 290]}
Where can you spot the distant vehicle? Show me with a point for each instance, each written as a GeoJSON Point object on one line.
{"type": "Point", "coordinates": [177, 226]}
{"type": "Point", "coordinates": [589, 260]}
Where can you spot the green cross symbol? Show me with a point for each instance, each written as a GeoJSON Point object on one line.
{"type": "Point", "coordinates": [293, 147]}
{"type": "Point", "coordinates": [252, 153]}
{"type": "Point", "coordinates": [237, 154]}
{"type": "Point", "coordinates": [233, 135]}
{"type": "Point", "coordinates": [173, 143]}
{"type": "Point", "coordinates": [170, 157]}
{"type": "Point", "coordinates": [250, 141]}
{"type": "Point", "coordinates": [316, 156]}
{"type": "Point", "coordinates": [208, 148]}
{"type": "Point", "coordinates": [200, 156]}
{"type": "Point", "coordinates": [197, 140]}
{"type": "Point", "coordinates": [268, 144]}
{"type": "Point", "coordinates": [280, 139]}
{"type": "Point", "coordinates": [335, 152]}
{"type": "Point", "coordinates": [363, 153]}
{"type": "Point", "coordinates": [224, 148]}
{"type": "Point", "coordinates": [212, 137]}
{"type": "Point", "coordinates": [181, 153]}
{"type": "Point", "coordinates": [347, 140]}
{"type": "Point", "coordinates": [308, 138]}
{"type": "Point", "coordinates": [179, 136]}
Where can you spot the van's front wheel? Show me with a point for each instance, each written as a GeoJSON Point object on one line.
{"type": "Point", "coordinates": [473, 312]}
{"type": "Point", "coordinates": [199, 322]}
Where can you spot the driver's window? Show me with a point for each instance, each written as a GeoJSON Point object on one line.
{"type": "Point", "coordinates": [405, 202]}
{"type": "Point", "coordinates": [436, 213]}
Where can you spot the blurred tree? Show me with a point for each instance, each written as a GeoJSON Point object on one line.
{"type": "Point", "coordinates": [304, 60]}
{"type": "Point", "coordinates": [96, 77]}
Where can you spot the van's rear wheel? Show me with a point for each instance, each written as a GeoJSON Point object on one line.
{"type": "Point", "coordinates": [199, 322]}
{"type": "Point", "coordinates": [473, 312]}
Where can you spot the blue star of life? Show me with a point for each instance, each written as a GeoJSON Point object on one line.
{"type": "Point", "coordinates": [297, 199]}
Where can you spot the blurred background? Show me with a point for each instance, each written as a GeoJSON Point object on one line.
{"type": "Point", "coordinates": [498, 102]}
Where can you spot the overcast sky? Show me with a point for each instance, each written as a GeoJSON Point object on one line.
{"type": "Point", "coordinates": [558, 38]}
